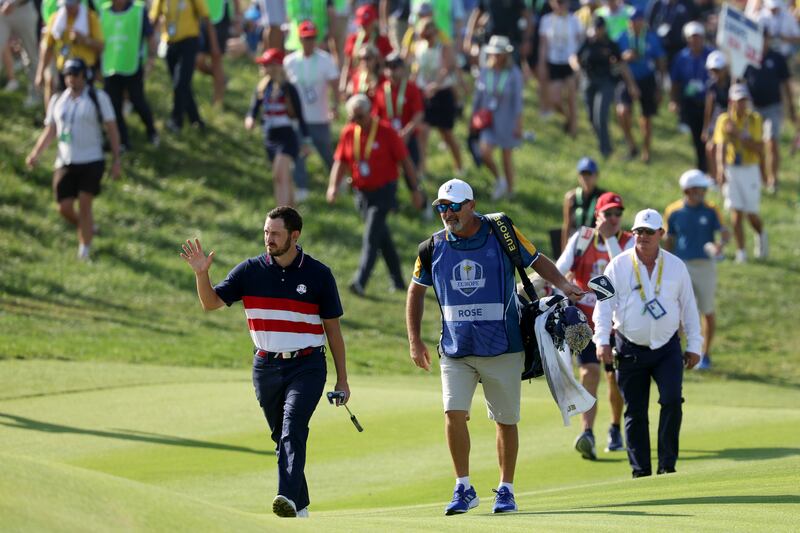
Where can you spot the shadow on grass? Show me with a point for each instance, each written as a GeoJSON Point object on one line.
{"type": "Point", "coordinates": [777, 381]}
{"type": "Point", "coordinates": [742, 454]}
{"type": "Point", "coordinates": [19, 422]}
{"type": "Point", "coordinates": [751, 499]}
{"type": "Point", "coordinates": [581, 511]}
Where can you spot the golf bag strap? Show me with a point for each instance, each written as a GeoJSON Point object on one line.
{"type": "Point", "coordinates": [503, 229]}
{"type": "Point", "coordinates": [425, 253]}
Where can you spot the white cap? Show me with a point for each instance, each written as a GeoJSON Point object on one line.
{"type": "Point", "coordinates": [774, 4]}
{"type": "Point", "coordinates": [693, 178]}
{"type": "Point", "coordinates": [716, 60]}
{"type": "Point", "coordinates": [455, 191]}
{"type": "Point", "coordinates": [499, 44]}
{"type": "Point", "coordinates": [693, 28]}
{"type": "Point", "coordinates": [738, 91]}
{"type": "Point", "coordinates": [647, 218]}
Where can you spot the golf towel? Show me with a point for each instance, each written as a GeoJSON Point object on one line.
{"type": "Point", "coordinates": [569, 395]}
{"type": "Point", "coordinates": [81, 24]}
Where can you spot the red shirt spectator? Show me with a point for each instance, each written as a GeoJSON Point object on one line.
{"type": "Point", "coordinates": [412, 103]}
{"type": "Point", "coordinates": [367, 84]}
{"type": "Point", "coordinates": [381, 42]}
{"type": "Point", "coordinates": [383, 157]}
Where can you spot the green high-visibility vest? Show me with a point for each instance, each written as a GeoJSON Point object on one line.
{"type": "Point", "coordinates": [216, 10]}
{"type": "Point", "coordinates": [123, 39]}
{"type": "Point", "coordinates": [442, 14]}
{"type": "Point", "coordinates": [298, 11]}
{"type": "Point", "coordinates": [617, 23]}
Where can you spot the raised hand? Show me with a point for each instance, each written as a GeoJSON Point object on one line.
{"type": "Point", "coordinates": [195, 258]}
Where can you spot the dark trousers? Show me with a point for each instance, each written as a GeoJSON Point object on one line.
{"type": "Point", "coordinates": [637, 365]}
{"type": "Point", "coordinates": [692, 113]}
{"type": "Point", "coordinates": [116, 86]}
{"type": "Point", "coordinates": [181, 57]}
{"type": "Point", "coordinates": [599, 95]}
{"type": "Point", "coordinates": [288, 391]}
{"type": "Point", "coordinates": [374, 207]}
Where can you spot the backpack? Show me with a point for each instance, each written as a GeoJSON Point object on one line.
{"type": "Point", "coordinates": [503, 230]}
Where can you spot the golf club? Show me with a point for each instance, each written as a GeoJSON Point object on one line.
{"type": "Point", "coordinates": [333, 396]}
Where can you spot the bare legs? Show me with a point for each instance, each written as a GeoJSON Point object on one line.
{"type": "Point", "coordinates": [282, 180]}
{"type": "Point", "coordinates": [459, 444]}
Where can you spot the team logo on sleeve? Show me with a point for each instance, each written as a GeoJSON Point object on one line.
{"type": "Point", "coordinates": [467, 277]}
{"type": "Point", "coordinates": [301, 289]}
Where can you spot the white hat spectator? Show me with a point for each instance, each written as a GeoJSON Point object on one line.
{"type": "Point", "coordinates": [738, 91]}
{"type": "Point", "coordinates": [499, 44]}
{"type": "Point", "coordinates": [716, 60]}
{"type": "Point", "coordinates": [693, 178]}
{"type": "Point", "coordinates": [693, 28]}
{"type": "Point", "coordinates": [647, 218]}
{"type": "Point", "coordinates": [455, 191]}
{"type": "Point", "coordinates": [774, 4]}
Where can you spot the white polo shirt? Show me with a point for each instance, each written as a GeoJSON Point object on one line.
{"type": "Point", "coordinates": [79, 134]}
{"type": "Point", "coordinates": [312, 76]}
{"type": "Point", "coordinates": [625, 311]}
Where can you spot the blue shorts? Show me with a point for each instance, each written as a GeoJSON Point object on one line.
{"type": "Point", "coordinates": [589, 356]}
{"type": "Point", "coordinates": [281, 140]}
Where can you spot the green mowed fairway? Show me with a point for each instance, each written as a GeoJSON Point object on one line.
{"type": "Point", "coordinates": [113, 446]}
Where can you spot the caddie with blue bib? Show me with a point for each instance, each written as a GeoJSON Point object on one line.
{"type": "Point", "coordinates": [468, 265]}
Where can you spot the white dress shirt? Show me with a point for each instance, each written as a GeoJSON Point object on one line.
{"type": "Point", "coordinates": [626, 310]}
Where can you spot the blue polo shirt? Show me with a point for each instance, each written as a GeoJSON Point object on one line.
{"type": "Point", "coordinates": [765, 83]}
{"type": "Point", "coordinates": [691, 228]}
{"type": "Point", "coordinates": [284, 306]}
{"type": "Point", "coordinates": [649, 49]}
{"type": "Point", "coordinates": [689, 72]}
{"type": "Point", "coordinates": [529, 256]}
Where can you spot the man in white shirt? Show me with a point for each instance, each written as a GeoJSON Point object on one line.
{"type": "Point", "coordinates": [77, 118]}
{"type": "Point", "coordinates": [314, 73]}
{"type": "Point", "coordinates": [653, 299]}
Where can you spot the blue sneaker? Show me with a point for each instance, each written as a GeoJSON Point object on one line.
{"type": "Point", "coordinates": [463, 501]}
{"type": "Point", "coordinates": [504, 501]}
{"type": "Point", "coordinates": [614, 439]}
{"type": "Point", "coordinates": [585, 445]}
{"type": "Point", "coordinates": [705, 363]}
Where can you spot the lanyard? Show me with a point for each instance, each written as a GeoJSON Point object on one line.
{"type": "Point", "coordinates": [73, 106]}
{"type": "Point", "coordinates": [501, 81]}
{"type": "Point", "coordinates": [373, 130]}
{"type": "Point", "coordinates": [639, 43]}
{"type": "Point", "coordinates": [639, 276]}
{"type": "Point", "coordinates": [360, 40]}
{"type": "Point", "coordinates": [305, 79]}
{"type": "Point", "coordinates": [597, 235]}
{"type": "Point", "coordinates": [401, 98]}
{"type": "Point", "coordinates": [174, 14]}
{"type": "Point", "coordinates": [363, 86]}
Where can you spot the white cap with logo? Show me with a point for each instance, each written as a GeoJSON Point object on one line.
{"type": "Point", "coordinates": [693, 178]}
{"type": "Point", "coordinates": [647, 218]}
{"type": "Point", "coordinates": [455, 191]}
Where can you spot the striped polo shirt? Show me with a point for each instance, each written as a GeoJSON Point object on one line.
{"type": "Point", "coordinates": [284, 306]}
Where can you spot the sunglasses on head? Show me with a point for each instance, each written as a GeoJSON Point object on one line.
{"type": "Point", "coordinates": [455, 207]}
{"type": "Point", "coordinates": [644, 231]}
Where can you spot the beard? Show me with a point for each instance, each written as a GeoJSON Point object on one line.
{"type": "Point", "coordinates": [453, 226]}
{"type": "Point", "coordinates": [280, 250]}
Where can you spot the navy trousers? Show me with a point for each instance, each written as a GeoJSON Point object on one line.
{"type": "Point", "coordinates": [288, 391]}
{"type": "Point", "coordinates": [637, 365]}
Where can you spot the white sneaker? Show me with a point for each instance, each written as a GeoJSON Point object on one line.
{"type": "Point", "coordinates": [11, 86]}
{"type": "Point", "coordinates": [500, 188]}
{"type": "Point", "coordinates": [302, 513]}
{"type": "Point", "coordinates": [301, 195]}
{"type": "Point", "coordinates": [284, 507]}
{"type": "Point", "coordinates": [741, 257]}
{"type": "Point", "coordinates": [761, 249]}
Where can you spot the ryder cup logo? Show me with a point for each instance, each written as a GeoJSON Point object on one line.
{"type": "Point", "coordinates": [301, 289]}
{"type": "Point", "coordinates": [467, 277]}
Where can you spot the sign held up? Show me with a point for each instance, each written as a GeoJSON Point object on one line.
{"type": "Point", "coordinates": [740, 39]}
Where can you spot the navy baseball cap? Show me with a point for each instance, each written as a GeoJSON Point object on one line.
{"type": "Point", "coordinates": [587, 164]}
{"type": "Point", "coordinates": [638, 14]}
{"type": "Point", "coordinates": [73, 65]}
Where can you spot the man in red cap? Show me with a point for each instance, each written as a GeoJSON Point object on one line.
{"type": "Point", "coordinates": [368, 33]}
{"type": "Point", "coordinates": [585, 256]}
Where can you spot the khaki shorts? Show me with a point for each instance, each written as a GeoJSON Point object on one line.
{"type": "Point", "coordinates": [501, 381]}
{"type": "Point", "coordinates": [742, 190]}
{"type": "Point", "coordinates": [704, 283]}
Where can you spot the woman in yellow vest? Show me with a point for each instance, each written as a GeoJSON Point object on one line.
{"type": "Point", "coordinates": [181, 20]}
{"type": "Point", "coordinates": [222, 13]}
{"type": "Point", "coordinates": [127, 31]}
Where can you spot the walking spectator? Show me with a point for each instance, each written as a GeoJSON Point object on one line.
{"type": "Point", "coordinates": [273, 17]}
{"type": "Point", "coordinates": [719, 83]}
{"type": "Point", "coordinates": [497, 102]}
{"type": "Point", "coordinates": [19, 17]}
{"type": "Point", "coordinates": [668, 18]}
{"type": "Point", "coordinates": [313, 72]}
{"type": "Point", "coordinates": [738, 136]}
{"type": "Point", "coordinates": [601, 59]}
{"type": "Point", "coordinates": [769, 86]}
{"type": "Point", "coordinates": [73, 31]}
{"type": "Point", "coordinates": [587, 13]}
{"type": "Point", "coordinates": [782, 27]}
{"type": "Point", "coordinates": [646, 316]}
{"type": "Point", "coordinates": [76, 118]}
{"type": "Point", "coordinates": [128, 34]}
{"type": "Point", "coordinates": [580, 203]}
{"type": "Point", "coordinates": [221, 15]}
{"type": "Point", "coordinates": [367, 75]}
{"type": "Point", "coordinates": [691, 225]}
{"type": "Point", "coordinates": [281, 104]}
{"type": "Point", "coordinates": [434, 72]}
{"type": "Point", "coordinates": [560, 35]}
{"type": "Point", "coordinates": [181, 27]}
{"type": "Point", "coordinates": [585, 256]}
{"type": "Point", "coordinates": [371, 150]}
{"type": "Point", "coordinates": [641, 50]}
{"type": "Point", "coordinates": [317, 12]}
{"type": "Point", "coordinates": [617, 14]}
{"type": "Point", "coordinates": [509, 18]}
{"type": "Point", "coordinates": [339, 22]}
{"type": "Point", "coordinates": [689, 79]}
{"type": "Point", "coordinates": [368, 34]}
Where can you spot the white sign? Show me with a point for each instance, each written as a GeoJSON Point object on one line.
{"type": "Point", "coordinates": [740, 39]}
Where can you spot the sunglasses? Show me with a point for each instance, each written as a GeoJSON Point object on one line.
{"type": "Point", "coordinates": [455, 207]}
{"type": "Point", "coordinates": [613, 212]}
{"type": "Point", "coordinates": [644, 231]}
